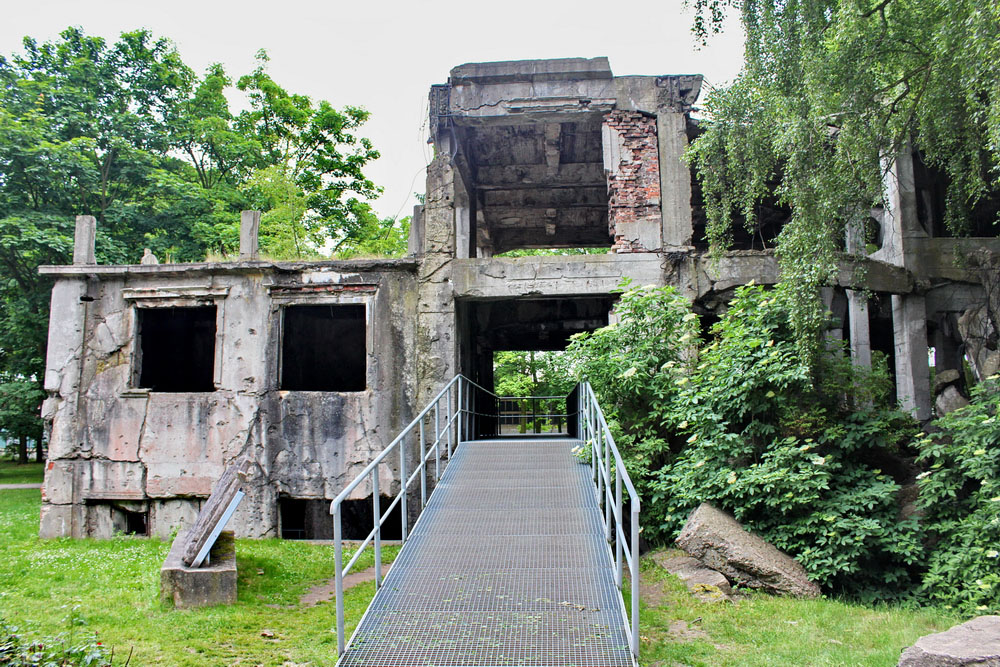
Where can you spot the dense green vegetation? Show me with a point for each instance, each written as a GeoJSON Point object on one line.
{"type": "Point", "coordinates": [828, 90]}
{"type": "Point", "coordinates": [127, 132]}
{"type": "Point", "coordinates": [107, 591]}
{"type": "Point", "coordinates": [812, 459]}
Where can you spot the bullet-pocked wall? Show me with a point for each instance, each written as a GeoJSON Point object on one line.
{"type": "Point", "coordinates": [160, 376]}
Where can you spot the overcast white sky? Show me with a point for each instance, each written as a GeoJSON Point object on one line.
{"type": "Point", "coordinates": [384, 55]}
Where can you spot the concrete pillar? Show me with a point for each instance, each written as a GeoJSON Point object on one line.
{"type": "Point", "coordinates": [83, 240]}
{"type": "Point", "coordinates": [857, 317]}
{"type": "Point", "coordinates": [675, 179]}
{"type": "Point", "coordinates": [909, 324]}
{"type": "Point", "coordinates": [249, 232]}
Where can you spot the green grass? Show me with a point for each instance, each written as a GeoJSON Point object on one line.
{"type": "Point", "coordinates": [24, 473]}
{"type": "Point", "coordinates": [763, 630]}
{"type": "Point", "coordinates": [115, 586]}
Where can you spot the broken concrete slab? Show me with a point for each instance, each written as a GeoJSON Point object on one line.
{"type": "Point", "coordinates": [975, 642]}
{"type": "Point", "coordinates": [702, 581]}
{"type": "Point", "coordinates": [717, 540]}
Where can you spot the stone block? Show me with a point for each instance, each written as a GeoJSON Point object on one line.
{"type": "Point", "coordinates": [717, 540]}
{"type": "Point", "coordinates": [212, 584]}
{"type": "Point", "coordinates": [949, 400]}
{"type": "Point", "coordinates": [56, 521]}
{"type": "Point", "coordinates": [975, 642]}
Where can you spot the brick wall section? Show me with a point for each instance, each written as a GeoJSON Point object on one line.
{"type": "Point", "coordinates": [634, 182]}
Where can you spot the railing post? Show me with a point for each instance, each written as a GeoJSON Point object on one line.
{"type": "Point", "coordinates": [618, 522]}
{"type": "Point", "coordinates": [377, 512]}
{"type": "Point", "coordinates": [437, 443]}
{"type": "Point", "coordinates": [634, 575]}
{"type": "Point", "coordinates": [607, 487]}
{"type": "Point", "coordinates": [338, 551]}
{"type": "Point", "coordinates": [460, 416]}
{"type": "Point", "coordinates": [402, 484]}
{"type": "Point", "coordinates": [423, 467]}
{"type": "Point", "coordinates": [451, 423]}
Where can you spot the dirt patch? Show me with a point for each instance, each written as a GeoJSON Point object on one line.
{"type": "Point", "coordinates": [328, 591]}
{"type": "Point", "coordinates": [680, 631]}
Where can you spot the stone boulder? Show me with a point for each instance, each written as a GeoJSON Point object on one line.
{"type": "Point", "coordinates": [944, 378]}
{"type": "Point", "coordinates": [703, 582]}
{"type": "Point", "coordinates": [949, 400]}
{"type": "Point", "coordinates": [976, 642]}
{"type": "Point", "coordinates": [717, 540]}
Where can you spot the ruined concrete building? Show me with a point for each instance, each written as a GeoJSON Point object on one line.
{"type": "Point", "coordinates": [160, 375]}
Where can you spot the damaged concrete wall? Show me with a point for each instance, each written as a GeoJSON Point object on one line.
{"type": "Point", "coordinates": [117, 446]}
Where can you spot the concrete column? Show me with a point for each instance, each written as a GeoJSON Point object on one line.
{"type": "Point", "coordinates": [83, 240]}
{"type": "Point", "coordinates": [249, 232]}
{"type": "Point", "coordinates": [675, 179]}
{"type": "Point", "coordinates": [909, 324]}
{"type": "Point", "coordinates": [857, 317]}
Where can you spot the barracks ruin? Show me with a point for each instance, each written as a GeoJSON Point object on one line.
{"type": "Point", "coordinates": [160, 375]}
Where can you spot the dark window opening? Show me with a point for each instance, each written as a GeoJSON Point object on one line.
{"type": "Point", "coordinates": [128, 521]}
{"type": "Point", "coordinates": [324, 348]}
{"type": "Point", "coordinates": [303, 519]}
{"type": "Point", "coordinates": [177, 348]}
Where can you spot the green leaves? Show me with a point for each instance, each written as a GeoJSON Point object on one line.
{"type": "Point", "coordinates": [127, 132]}
{"type": "Point", "coordinates": [741, 422]}
{"type": "Point", "coordinates": [960, 499]}
{"type": "Point", "coordinates": [828, 90]}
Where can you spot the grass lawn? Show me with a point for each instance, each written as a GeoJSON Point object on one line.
{"type": "Point", "coordinates": [26, 473]}
{"type": "Point", "coordinates": [114, 586]}
{"type": "Point", "coordinates": [678, 629]}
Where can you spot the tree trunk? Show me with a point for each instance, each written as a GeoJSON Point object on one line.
{"type": "Point", "coordinates": [22, 449]}
{"type": "Point", "coordinates": [39, 453]}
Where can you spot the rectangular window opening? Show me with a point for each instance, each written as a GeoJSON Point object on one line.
{"type": "Point", "coordinates": [324, 348]}
{"type": "Point", "coordinates": [129, 521]}
{"type": "Point", "coordinates": [176, 348]}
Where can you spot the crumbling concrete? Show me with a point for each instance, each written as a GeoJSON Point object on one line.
{"type": "Point", "coordinates": [558, 155]}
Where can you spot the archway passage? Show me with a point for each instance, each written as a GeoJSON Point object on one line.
{"type": "Point", "coordinates": [524, 324]}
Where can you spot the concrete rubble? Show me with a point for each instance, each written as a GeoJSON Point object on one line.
{"type": "Point", "coordinates": [719, 542]}
{"type": "Point", "coordinates": [552, 154]}
{"type": "Point", "coordinates": [975, 642]}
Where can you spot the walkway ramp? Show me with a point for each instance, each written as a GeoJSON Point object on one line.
{"type": "Point", "coordinates": [507, 565]}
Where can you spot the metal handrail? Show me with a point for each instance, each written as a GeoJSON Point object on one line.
{"type": "Point", "coordinates": [455, 402]}
{"type": "Point", "coordinates": [594, 431]}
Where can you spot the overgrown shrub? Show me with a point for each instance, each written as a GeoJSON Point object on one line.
{"type": "Point", "coordinates": [73, 648]}
{"type": "Point", "coordinates": [960, 500]}
{"type": "Point", "coordinates": [797, 454]}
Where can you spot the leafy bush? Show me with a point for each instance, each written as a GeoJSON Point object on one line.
{"type": "Point", "coordinates": [68, 649]}
{"type": "Point", "coordinates": [960, 500]}
{"type": "Point", "coordinates": [796, 454]}
{"type": "Point", "coordinates": [629, 364]}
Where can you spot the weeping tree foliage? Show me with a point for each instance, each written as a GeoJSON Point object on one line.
{"type": "Point", "coordinates": [828, 90]}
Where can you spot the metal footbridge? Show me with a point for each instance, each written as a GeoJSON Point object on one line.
{"type": "Point", "coordinates": [518, 552]}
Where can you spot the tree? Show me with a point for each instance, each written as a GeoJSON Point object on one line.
{"type": "Point", "coordinates": [130, 134]}
{"type": "Point", "coordinates": [828, 91]}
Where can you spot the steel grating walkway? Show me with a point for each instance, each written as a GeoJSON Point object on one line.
{"type": "Point", "coordinates": [507, 565]}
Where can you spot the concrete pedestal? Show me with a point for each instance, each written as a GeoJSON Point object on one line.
{"type": "Point", "coordinates": [215, 583]}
